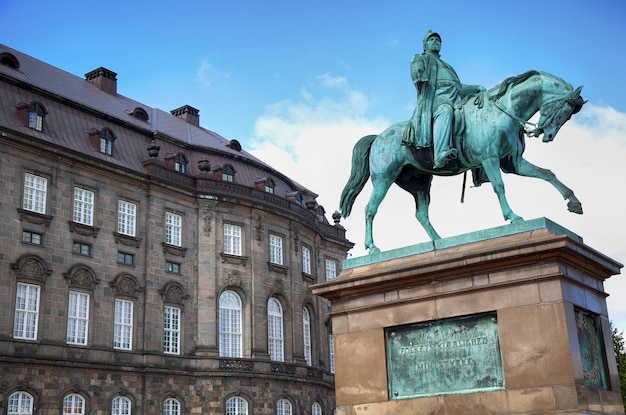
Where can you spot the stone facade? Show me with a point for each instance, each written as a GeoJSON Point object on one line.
{"type": "Point", "coordinates": [50, 254]}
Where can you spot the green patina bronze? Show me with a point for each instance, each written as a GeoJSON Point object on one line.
{"type": "Point", "coordinates": [451, 356]}
{"type": "Point", "coordinates": [456, 128]}
{"type": "Point", "coordinates": [591, 350]}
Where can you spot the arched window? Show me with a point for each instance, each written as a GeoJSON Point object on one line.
{"type": "Point", "coordinates": [20, 403]}
{"type": "Point", "coordinates": [171, 406]}
{"type": "Point", "coordinates": [306, 335]}
{"type": "Point", "coordinates": [316, 409]}
{"type": "Point", "coordinates": [275, 330]}
{"type": "Point", "coordinates": [236, 406]}
{"type": "Point", "coordinates": [270, 184]}
{"type": "Point", "coordinates": [283, 407]}
{"type": "Point", "coordinates": [121, 406]}
{"type": "Point", "coordinates": [230, 324]}
{"type": "Point", "coordinates": [74, 404]}
{"type": "Point", "coordinates": [106, 139]}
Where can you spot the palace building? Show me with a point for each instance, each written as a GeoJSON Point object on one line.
{"type": "Point", "coordinates": [149, 265]}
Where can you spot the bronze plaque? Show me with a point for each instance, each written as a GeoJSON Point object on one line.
{"type": "Point", "coordinates": [459, 355]}
{"type": "Point", "coordinates": [591, 349]}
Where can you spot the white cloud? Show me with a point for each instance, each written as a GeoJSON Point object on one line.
{"type": "Point", "coordinates": [311, 140]}
{"type": "Point", "coordinates": [207, 74]}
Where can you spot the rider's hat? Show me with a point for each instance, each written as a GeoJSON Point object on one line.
{"type": "Point", "coordinates": [430, 34]}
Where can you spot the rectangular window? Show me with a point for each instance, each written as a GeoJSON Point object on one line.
{"type": "Point", "coordinates": [31, 237]}
{"type": "Point", "coordinates": [232, 239]}
{"type": "Point", "coordinates": [26, 311]}
{"type": "Point", "coordinates": [126, 218]}
{"type": "Point", "coordinates": [81, 248]}
{"type": "Point", "coordinates": [77, 318]}
{"type": "Point", "coordinates": [125, 258]}
{"type": "Point", "coordinates": [173, 228]}
{"type": "Point", "coordinates": [106, 146]}
{"type": "Point", "coordinates": [35, 190]}
{"type": "Point", "coordinates": [276, 249]}
{"type": "Point", "coordinates": [171, 330]}
{"type": "Point", "coordinates": [306, 260]}
{"type": "Point", "coordinates": [172, 267]}
{"type": "Point", "coordinates": [35, 121]}
{"type": "Point", "coordinates": [83, 206]}
{"type": "Point", "coordinates": [331, 350]}
{"type": "Point", "coordinates": [123, 326]}
{"type": "Point", "coordinates": [331, 269]}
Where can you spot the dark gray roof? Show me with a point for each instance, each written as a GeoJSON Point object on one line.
{"type": "Point", "coordinates": [69, 125]}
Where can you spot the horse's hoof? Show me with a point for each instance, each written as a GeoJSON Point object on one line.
{"type": "Point", "coordinates": [575, 207]}
{"type": "Point", "coordinates": [374, 250]}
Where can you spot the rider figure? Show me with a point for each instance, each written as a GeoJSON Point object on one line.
{"type": "Point", "coordinates": [439, 93]}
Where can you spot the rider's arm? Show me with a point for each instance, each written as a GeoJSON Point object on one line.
{"type": "Point", "coordinates": [471, 89]}
{"type": "Point", "coordinates": [418, 73]}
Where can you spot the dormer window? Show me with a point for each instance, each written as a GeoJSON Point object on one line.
{"type": "Point", "coordinates": [180, 163]}
{"type": "Point", "coordinates": [106, 139]}
{"type": "Point", "coordinates": [9, 60]}
{"type": "Point", "coordinates": [140, 114]}
{"type": "Point", "coordinates": [228, 173]}
{"type": "Point", "coordinates": [269, 185]}
{"type": "Point", "coordinates": [33, 115]}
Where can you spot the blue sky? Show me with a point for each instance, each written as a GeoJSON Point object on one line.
{"type": "Point", "coordinates": [298, 83]}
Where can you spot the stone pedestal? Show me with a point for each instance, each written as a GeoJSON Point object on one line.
{"type": "Point", "coordinates": [408, 313]}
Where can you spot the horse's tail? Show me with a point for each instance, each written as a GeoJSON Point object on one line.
{"type": "Point", "coordinates": [359, 174]}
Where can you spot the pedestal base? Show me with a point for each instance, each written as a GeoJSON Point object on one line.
{"type": "Point", "coordinates": [407, 339]}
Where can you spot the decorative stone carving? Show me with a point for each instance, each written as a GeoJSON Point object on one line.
{"type": "Point", "coordinates": [208, 209]}
{"type": "Point", "coordinates": [173, 292]}
{"type": "Point", "coordinates": [233, 278]}
{"type": "Point", "coordinates": [36, 218]}
{"type": "Point", "coordinates": [126, 240]}
{"type": "Point", "coordinates": [31, 267]}
{"type": "Point", "coordinates": [81, 276]}
{"type": "Point", "coordinates": [125, 284]}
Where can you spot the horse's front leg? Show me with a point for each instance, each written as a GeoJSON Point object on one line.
{"type": "Point", "coordinates": [492, 169]}
{"type": "Point", "coordinates": [526, 168]}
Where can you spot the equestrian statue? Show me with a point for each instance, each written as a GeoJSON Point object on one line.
{"type": "Point", "coordinates": [456, 128]}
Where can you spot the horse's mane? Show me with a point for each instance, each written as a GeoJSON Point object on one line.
{"type": "Point", "coordinates": [511, 82]}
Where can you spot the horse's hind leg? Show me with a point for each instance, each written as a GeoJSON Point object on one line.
{"type": "Point", "coordinates": [419, 188]}
{"type": "Point", "coordinates": [492, 169]}
{"type": "Point", "coordinates": [526, 168]}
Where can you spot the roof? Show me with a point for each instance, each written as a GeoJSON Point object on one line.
{"type": "Point", "coordinates": [77, 106]}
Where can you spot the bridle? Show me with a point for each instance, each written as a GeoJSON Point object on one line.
{"type": "Point", "coordinates": [573, 98]}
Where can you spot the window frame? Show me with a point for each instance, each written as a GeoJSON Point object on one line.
{"type": "Point", "coordinates": [121, 405]}
{"type": "Point", "coordinates": [173, 267]}
{"type": "Point", "coordinates": [236, 405]}
{"type": "Point", "coordinates": [228, 173]}
{"type": "Point", "coordinates": [276, 249]}
{"type": "Point", "coordinates": [81, 246]}
{"type": "Point", "coordinates": [230, 325]}
{"type": "Point", "coordinates": [106, 139]}
{"type": "Point", "coordinates": [123, 324]}
{"type": "Point", "coordinates": [78, 318]}
{"type": "Point", "coordinates": [74, 398]}
{"type": "Point", "coordinates": [125, 258]}
{"type": "Point", "coordinates": [306, 336]}
{"type": "Point", "coordinates": [316, 409]}
{"type": "Point", "coordinates": [284, 407]}
{"type": "Point", "coordinates": [233, 239]}
{"type": "Point", "coordinates": [26, 321]}
{"type": "Point", "coordinates": [171, 329]}
{"type": "Point", "coordinates": [173, 230]}
{"type": "Point", "coordinates": [126, 218]}
{"type": "Point", "coordinates": [330, 272]}
{"type": "Point", "coordinates": [19, 399]}
{"type": "Point", "coordinates": [172, 406]}
{"type": "Point", "coordinates": [306, 260]}
{"type": "Point", "coordinates": [35, 196]}
{"type": "Point", "coordinates": [83, 209]}
{"type": "Point", "coordinates": [275, 330]}
{"type": "Point", "coordinates": [31, 236]}
{"type": "Point", "coordinates": [35, 116]}
{"type": "Point", "coordinates": [331, 353]}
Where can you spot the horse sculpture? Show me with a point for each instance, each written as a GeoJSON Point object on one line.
{"type": "Point", "coordinates": [493, 139]}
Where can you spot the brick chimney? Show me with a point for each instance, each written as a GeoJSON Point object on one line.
{"type": "Point", "coordinates": [189, 114]}
{"type": "Point", "coordinates": [104, 79]}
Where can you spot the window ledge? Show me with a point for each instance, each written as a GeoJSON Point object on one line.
{"type": "Point", "coordinates": [281, 269]}
{"type": "Point", "coordinates": [174, 250]}
{"type": "Point", "coordinates": [84, 230]}
{"type": "Point", "coordinates": [34, 217]}
{"type": "Point", "coordinates": [127, 240]}
{"type": "Point", "coordinates": [308, 278]}
{"type": "Point", "coordinates": [234, 259]}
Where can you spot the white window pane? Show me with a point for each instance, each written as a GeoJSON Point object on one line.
{"type": "Point", "coordinates": [20, 403]}
{"type": "Point", "coordinates": [127, 218]}
{"type": "Point", "coordinates": [232, 239]}
{"type": "Point", "coordinates": [83, 206]}
{"type": "Point", "coordinates": [26, 311]}
{"type": "Point", "coordinates": [77, 318]}
{"type": "Point", "coordinates": [306, 334]}
{"type": "Point", "coordinates": [306, 260]}
{"type": "Point", "coordinates": [331, 269]}
{"type": "Point", "coordinates": [230, 327]}
{"type": "Point", "coordinates": [171, 330]}
{"type": "Point", "coordinates": [123, 326]}
{"type": "Point", "coordinates": [173, 228]}
{"type": "Point", "coordinates": [35, 188]}
{"type": "Point", "coordinates": [275, 330]}
{"type": "Point", "coordinates": [276, 249]}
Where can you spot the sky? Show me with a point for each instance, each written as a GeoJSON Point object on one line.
{"type": "Point", "coordinates": [299, 83]}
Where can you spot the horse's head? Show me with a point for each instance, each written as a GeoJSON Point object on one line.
{"type": "Point", "coordinates": [556, 110]}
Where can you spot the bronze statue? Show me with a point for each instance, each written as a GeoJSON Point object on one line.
{"type": "Point", "coordinates": [495, 125]}
{"type": "Point", "coordinates": [439, 102]}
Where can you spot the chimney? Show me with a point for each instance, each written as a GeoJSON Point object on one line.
{"type": "Point", "coordinates": [104, 79]}
{"type": "Point", "coordinates": [189, 114]}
